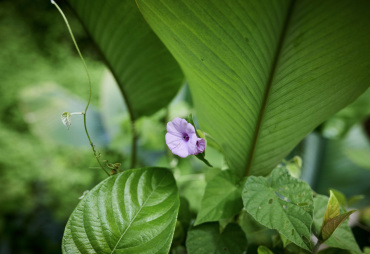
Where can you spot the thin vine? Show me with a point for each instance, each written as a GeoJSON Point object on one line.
{"type": "Point", "coordinates": [84, 113]}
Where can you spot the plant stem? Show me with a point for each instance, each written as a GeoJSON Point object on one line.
{"type": "Point", "coordinates": [134, 142]}
{"type": "Point", "coordinates": [317, 246]}
{"type": "Point", "coordinates": [88, 77]}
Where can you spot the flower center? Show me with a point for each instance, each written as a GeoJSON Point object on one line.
{"type": "Point", "coordinates": [185, 137]}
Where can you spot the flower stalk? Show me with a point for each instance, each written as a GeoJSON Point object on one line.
{"type": "Point", "coordinates": [84, 113]}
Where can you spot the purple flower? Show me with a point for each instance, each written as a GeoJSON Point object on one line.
{"type": "Point", "coordinates": [182, 140]}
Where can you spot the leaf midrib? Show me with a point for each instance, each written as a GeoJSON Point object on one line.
{"type": "Point", "coordinates": [133, 219]}
{"type": "Point", "coordinates": [269, 83]}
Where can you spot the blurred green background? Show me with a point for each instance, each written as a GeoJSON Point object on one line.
{"type": "Point", "coordinates": [45, 168]}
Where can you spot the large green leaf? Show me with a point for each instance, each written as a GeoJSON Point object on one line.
{"type": "Point", "coordinates": [342, 237]}
{"type": "Point", "coordinates": [207, 239]}
{"type": "Point", "coordinates": [147, 74]}
{"type": "Point", "coordinates": [263, 74]}
{"type": "Point", "coordinates": [221, 199]}
{"type": "Point", "coordinates": [132, 212]}
{"type": "Point", "coordinates": [281, 202]}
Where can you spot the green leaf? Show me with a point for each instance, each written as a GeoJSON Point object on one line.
{"type": "Point", "coordinates": [221, 199]}
{"type": "Point", "coordinates": [334, 251]}
{"type": "Point", "coordinates": [134, 212]}
{"type": "Point", "coordinates": [263, 74]}
{"type": "Point", "coordinates": [332, 224]}
{"type": "Point", "coordinates": [360, 157]}
{"type": "Point", "coordinates": [338, 125]}
{"type": "Point", "coordinates": [337, 171]}
{"type": "Point", "coordinates": [342, 199]}
{"type": "Point", "coordinates": [342, 237]}
{"type": "Point", "coordinates": [207, 239]}
{"type": "Point", "coordinates": [354, 199]}
{"type": "Point", "coordinates": [332, 217]}
{"type": "Point", "coordinates": [256, 233]}
{"type": "Point", "coordinates": [147, 74]}
{"type": "Point", "coordinates": [367, 250]}
{"type": "Point", "coordinates": [332, 209]}
{"type": "Point", "coordinates": [281, 202]}
{"type": "Point", "coordinates": [284, 240]}
{"type": "Point", "coordinates": [264, 250]}
{"type": "Point", "coordinates": [66, 119]}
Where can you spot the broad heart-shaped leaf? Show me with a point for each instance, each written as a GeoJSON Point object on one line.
{"type": "Point", "coordinates": [147, 74]}
{"type": "Point", "coordinates": [132, 212]}
{"type": "Point", "coordinates": [207, 239]}
{"type": "Point", "coordinates": [263, 74]}
{"type": "Point", "coordinates": [221, 199]}
{"type": "Point", "coordinates": [342, 237]}
{"type": "Point", "coordinates": [281, 202]}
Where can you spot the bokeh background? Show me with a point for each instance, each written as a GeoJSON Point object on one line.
{"type": "Point", "coordinates": [45, 168]}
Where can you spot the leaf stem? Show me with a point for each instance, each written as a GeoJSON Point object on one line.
{"type": "Point", "coordinates": [96, 154]}
{"type": "Point", "coordinates": [134, 142]}
{"type": "Point", "coordinates": [317, 246]}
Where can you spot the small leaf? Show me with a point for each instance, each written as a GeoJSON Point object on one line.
{"type": "Point", "coordinates": [285, 240]}
{"type": "Point", "coordinates": [66, 119]}
{"type": "Point", "coordinates": [132, 212]}
{"type": "Point", "coordinates": [278, 201]}
{"type": "Point", "coordinates": [342, 237]}
{"type": "Point", "coordinates": [354, 199]}
{"type": "Point", "coordinates": [333, 223]}
{"type": "Point", "coordinates": [264, 250]}
{"type": "Point", "coordinates": [222, 198]}
{"type": "Point", "coordinates": [201, 157]}
{"type": "Point", "coordinates": [332, 217]}
{"type": "Point", "coordinates": [207, 239]}
{"type": "Point", "coordinates": [340, 196]}
{"type": "Point", "coordinates": [332, 209]}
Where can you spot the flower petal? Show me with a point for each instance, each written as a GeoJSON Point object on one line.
{"type": "Point", "coordinates": [201, 145]}
{"type": "Point", "coordinates": [177, 145]}
{"type": "Point", "coordinates": [192, 143]}
{"type": "Point", "coordinates": [180, 126]}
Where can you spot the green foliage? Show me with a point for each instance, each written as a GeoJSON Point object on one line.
{"type": "Point", "coordinates": [222, 198]}
{"type": "Point", "coordinates": [146, 73]}
{"type": "Point", "coordinates": [207, 239]}
{"type": "Point", "coordinates": [262, 84]}
{"type": "Point", "coordinates": [332, 217]}
{"type": "Point", "coordinates": [134, 211]}
{"type": "Point", "coordinates": [264, 250]}
{"type": "Point", "coordinates": [262, 75]}
{"type": "Point", "coordinates": [338, 125]}
{"type": "Point", "coordinates": [283, 203]}
{"type": "Point", "coordinates": [342, 237]}
{"type": "Point", "coordinates": [338, 170]}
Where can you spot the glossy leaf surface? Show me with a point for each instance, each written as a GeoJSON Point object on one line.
{"type": "Point", "coordinates": [147, 74]}
{"type": "Point", "coordinates": [263, 74]}
{"type": "Point", "coordinates": [132, 212]}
